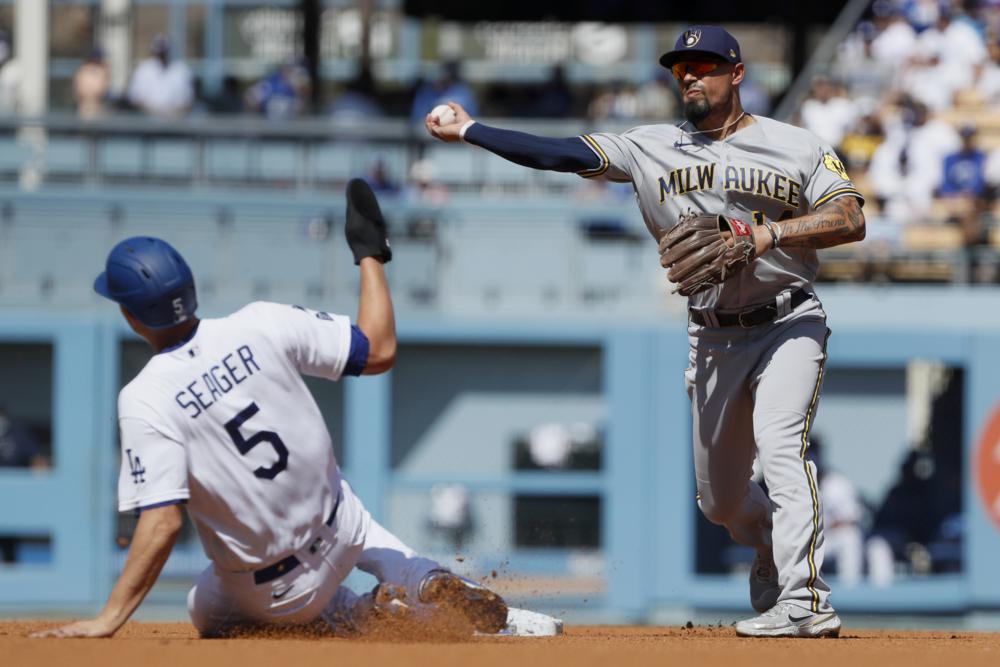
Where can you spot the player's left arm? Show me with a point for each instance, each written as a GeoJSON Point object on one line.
{"type": "Point", "coordinates": [368, 237]}
{"type": "Point", "coordinates": [376, 318]}
{"type": "Point", "coordinates": [834, 223]}
{"type": "Point", "coordinates": [155, 536]}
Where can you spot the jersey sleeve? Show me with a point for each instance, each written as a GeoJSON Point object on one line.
{"type": "Point", "coordinates": [318, 343]}
{"type": "Point", "coordinates": [828, 180]}
{"type": "Point", "coordinates": [154, 467]}
{"type": "Point", "coordinates": [614, 152]}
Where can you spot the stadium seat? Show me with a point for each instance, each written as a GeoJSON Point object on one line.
{"type": "Point", "coordinates": [120, 157]}
{"type": "Point", "coordinates": [12, 155]}
{"type": "Point", "coordinates": [521, 264]}
{"type": "Point", "coordinates": [227, 160]}
{"type": "Point", "coordinates": [333, 161]}
{"type": "Point", "coordinates": [454, 165]}
{"type": "Point", "coordinates": [66, 156]}
{"type": "Point", "coordinates": [274, 259]}
{"type": "Point", "coordinates": [45, 256]}
{"type": "Point", "coordinates": [277, 161]}
{"type": "Point", "coordinates": [172, 158]}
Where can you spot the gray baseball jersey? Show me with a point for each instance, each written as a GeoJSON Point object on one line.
{"type": "Point", "coordinates": [766, 171]}
{"type": "Point", "coordinates": [753, 393]}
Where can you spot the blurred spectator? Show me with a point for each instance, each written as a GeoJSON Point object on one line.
{"type": "Point", "coordinates": [934, 82]}
{"type": "Point", "coordinates": [896, 40]}
{"type": "Point", "coordinates": [230, 98]}
{"type": "Point", "coordinates": [550, 445]}
{"type": "Point", "coordinates": [618, 101]}
{"type": "Point", "coordinates": [908, 519]}
{"type": "Point", "coordinates": [422, 189]}
{"type": "Point", "coordinates": [656, 99]}
{"type": "Point", "coordinates": [828, 112]}
{"type": "Point", "coordinates": [964, 170]}
{"type": "Point", "coordinates": [381, 180]}
{"type": "Point", "coordinates": [922, 14]}
{"type": "Point", "coordinates": [161, 87]}
{"type": "Point", "coordinates": [358, 101]}
{"type": "Point", "coordinates": [952, 39]}
{"type": "Point", "coordinates": [860, 144]}
{"type": "Point", "coordinates": [449, 87]}
{"type": "Point", "coordinates": [866, 76]}
{"type": "Point", "coordinates": [991, 172]}
{"type": "Point", "coordinates": [10, 77]}
{"type": "Point", "coordinates": [985, 87]}
{"type": "Point", "coordinates": [964, 187]}
{"type": "Point", "coordinates": [906, 169]}
{"type": "Point", "coordinates": [90, 85]}
{"type": "Point", "coordinates": [282, 94]}
{"type": "Point", "coordinates": [18, 448]}
{"type": "Point", "coordinates": [555, 99]}
{"type": "Point", "coordinates": [450, 513]}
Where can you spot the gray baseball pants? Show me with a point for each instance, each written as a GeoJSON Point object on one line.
{"type": "Point", "coordinates": [754, 392]}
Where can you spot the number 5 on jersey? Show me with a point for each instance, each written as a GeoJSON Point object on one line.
{"type": "Point", "coordinates": [244, 445]}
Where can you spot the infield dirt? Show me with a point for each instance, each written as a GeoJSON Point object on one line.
{"type": "Point", "coordinates": [177, 645]}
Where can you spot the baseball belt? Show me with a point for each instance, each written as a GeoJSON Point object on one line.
{"type": "Point", "coordinates": [286, 565]}
{"type": "Point", "coordinates": [754, 316]}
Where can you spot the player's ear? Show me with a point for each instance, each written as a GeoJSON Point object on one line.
{"type": "Point", "coordinates": [739, 71]}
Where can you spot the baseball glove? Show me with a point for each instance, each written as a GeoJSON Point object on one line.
{"type": "Point", "coordinates": [705, 249]}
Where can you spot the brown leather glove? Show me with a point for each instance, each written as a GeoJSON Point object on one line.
{"type": "Point", "coordinates": [704, 249]}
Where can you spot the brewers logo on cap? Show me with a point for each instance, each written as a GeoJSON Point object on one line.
{"type": "Point", "coordinates": [732, 53]}
{"type": "Point", "coordinates": [691, 37]}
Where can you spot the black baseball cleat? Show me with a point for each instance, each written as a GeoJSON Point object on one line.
{"type": "Point", "coordinates": [482, 608]}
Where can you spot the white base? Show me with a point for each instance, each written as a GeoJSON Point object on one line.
{"type": "Point", "coordinates": [524, 623]}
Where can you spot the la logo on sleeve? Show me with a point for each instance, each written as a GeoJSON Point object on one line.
{"type": "Point", "coordinates": [135, 465]}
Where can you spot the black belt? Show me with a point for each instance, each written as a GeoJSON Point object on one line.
{"type": "Point", "coordinates": [754, 316]}
{"type": "Point", "coordinates": [286, 565]}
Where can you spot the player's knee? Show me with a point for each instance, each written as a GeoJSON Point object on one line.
{"type": "Point", "coordinates": [780, 436]}
{"type": "Point", "coordinates": [200, 615]}
{"type": "Point", "coordinates": [198, 619]}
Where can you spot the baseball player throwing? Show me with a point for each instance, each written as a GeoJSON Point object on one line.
{"type": "Point", "coordinates": [221, 420]}
{"type": "Point", "coordinates": [739, 205]}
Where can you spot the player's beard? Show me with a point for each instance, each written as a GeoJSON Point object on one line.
{"type": "Point", "coordinates": [697, 110]}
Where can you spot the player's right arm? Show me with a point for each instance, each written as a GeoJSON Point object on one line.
{"type": "Point", "coordinates": [581, 155]}
{"type": "Point", "coordinates": [152, 481]}
{"type": "Point", "coordinates": [154, 538]}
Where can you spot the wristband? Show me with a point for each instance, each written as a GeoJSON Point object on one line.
{"type": "Point", "coordinates": [466, 126]}
{"type": "Point", "coordinates": [775, 234]}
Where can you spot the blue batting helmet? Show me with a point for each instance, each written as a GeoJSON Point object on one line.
{"type": "Point", "coordinates": [151, 280]}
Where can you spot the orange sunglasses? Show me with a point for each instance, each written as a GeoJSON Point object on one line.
{"type": "Point", "coordinates": [697, 67]}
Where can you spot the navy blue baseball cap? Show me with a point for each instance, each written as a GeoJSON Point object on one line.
{"type": "Point", "coordinates": [151, 280]}
{"type": "Point", "coordinates": [708, 40]}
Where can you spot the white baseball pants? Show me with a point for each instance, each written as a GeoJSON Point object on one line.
{"type": "Point", "coordinates": [223, 600]}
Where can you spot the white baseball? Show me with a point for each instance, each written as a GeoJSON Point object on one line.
{"type": "Point", "coordinates": [444, 114]}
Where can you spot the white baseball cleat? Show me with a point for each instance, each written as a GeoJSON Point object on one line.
{"type": "Point", "coordinates": [789, 620]}
{"type": "Point", "coordinates": [524, 623]}
{"type": "Point", "coordinates": [764, 588]}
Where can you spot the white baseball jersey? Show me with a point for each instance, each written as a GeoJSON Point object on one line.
{"type": "Point", "coordinates": [768, 170]}
{"type": "Point", "coordinates": [225, 422]}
